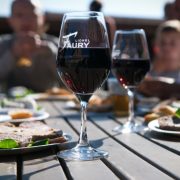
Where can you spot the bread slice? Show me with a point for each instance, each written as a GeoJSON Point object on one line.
{"type": "Point", "coordinates": [30, 131]}
{"type": "Point", "coordinates": [20, 114]}
{"type": "Point", "coordinates": [22, 140]}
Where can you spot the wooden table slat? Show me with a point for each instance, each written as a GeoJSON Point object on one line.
{"type": "Point", "coordinates": [8, 171]}
{"type": "Point", "coordinates": [78, 170]}
{"type": "Point", "coordinates": [168, 142]}
{"type": "Point", "coordinates": [128, 164]}
{"type": "Point", "coordinates": [90, 170]}
{"type": "Point", "coordinates": [132, 156]}
{"type": "Point", "coordinates": [165, 159]}
{"type": "Point", "coordinates": [43, 169]}
{"type": "Point", "coordinates": [171, 143]}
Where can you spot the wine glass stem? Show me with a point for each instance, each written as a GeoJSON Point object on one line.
{"type": "Point", "coordinates": [131, 106]}
{"type": "Point", "coordinates": [83, 139]}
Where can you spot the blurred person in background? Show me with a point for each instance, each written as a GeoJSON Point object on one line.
{"type": "Point", "coordinates": [163, 80]}
{"type": "Point", "coordinates": [172, 10]}
{"type": "Point", "coordinates": [27, 57]}
{"type": "Point", "coordinates": [96, 5]}
{"type": "Point", "coordinates": [169, 12]}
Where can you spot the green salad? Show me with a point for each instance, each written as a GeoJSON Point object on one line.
{"type": "Point", "coordinates": [11, 143]}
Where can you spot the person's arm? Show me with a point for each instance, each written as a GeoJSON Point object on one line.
{"type": "Point", "coordinates": [50, 51]}
{"type": "Point", "coordinates": [159, 89]}
{"type": "Point", "coordinates": [45, 72]}
{"type": "Point", "coordinates": [7, 60]}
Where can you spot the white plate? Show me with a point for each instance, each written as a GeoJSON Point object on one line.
{"type": "Point", "coordinates": [37, 116]}
{"type": "Point", "coordinates": [4, 118]}
{"type": "Point", "coordinates": [154, 126]}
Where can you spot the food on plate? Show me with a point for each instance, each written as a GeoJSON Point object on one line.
{"type": "Point", "coordinates": [30, 134]}
{"type": "Point", "coordinates": [57, 140]}
{"type": "Point", "coordinates": [20, 114]}
{"type": "Point", "coordinates": [8, 124]}
{"type": "Point", "coordinates": [167, 110]}
{"type": "Point", "coordinates": [58, 91]}
{"type": "Point", "coordinates": [21, 140]}
{"type": "Point", "coordinates": [8, 144]}
{"type": "Point", "coordinates": [151, 116]}
{"type": "Point", "coordinates": [169, 123]}
{"type": "Point", "coordinates": [159, 111]}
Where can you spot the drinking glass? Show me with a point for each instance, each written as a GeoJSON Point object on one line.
{"type": "Point", "coordinates": [83, 63]}
{"type": "Point", "coordinates": [130, 63]}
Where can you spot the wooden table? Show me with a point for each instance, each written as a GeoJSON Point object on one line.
{"type": "Point", "coordinates": [145, 155]}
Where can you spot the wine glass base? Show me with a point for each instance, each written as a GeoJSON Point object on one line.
{"type": "Point", "coordinates": [82, 153]}
{"type": "Point", "coordinates": [129, 128]}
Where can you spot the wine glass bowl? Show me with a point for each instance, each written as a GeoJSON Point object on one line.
{"type": "Point", "coordinates": [83, 64]}
{"type": "Point", "coordinates": [130, 63]}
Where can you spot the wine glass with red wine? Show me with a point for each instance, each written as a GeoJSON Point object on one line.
{"type": "Point", "coordinates": [83, 63]}
{"type": "Point", "coordinates": [130, 63]}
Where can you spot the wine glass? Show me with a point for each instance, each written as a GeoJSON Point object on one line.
{"type": "Point", "coordinates": [83, 63]}
{"type": "Point", "coordinates": [130, 63]}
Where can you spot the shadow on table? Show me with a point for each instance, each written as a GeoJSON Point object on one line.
{"type": "Point", "coordinates": [7, 177]}
{"type": "Point", "coordinates": [94, 143]}
{"type": "Point", "coordinates": [28, 175]}
{"type": "Point", "coordinates": [76, 116]}
{"type": "Point", "coordinates": [98, 142]}
{"type": "Point", "coordinates": [163, 137]}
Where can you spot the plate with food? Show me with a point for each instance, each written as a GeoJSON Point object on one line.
{"type": "Point", "coordinates": [22, 115]}
{"type": "Point", "coordinates": [20, 110]}
{"type": "Point", "coordinates": [166, 124]}
{"type": "Point", "coordinates": [53, 94]}
{"type": "Point", "coordinates": [29, 136]}
{"type": "Point", "coordinates": [165, 108]}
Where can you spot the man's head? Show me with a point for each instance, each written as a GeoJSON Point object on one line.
{"type": "Point", "coordinates": [95, 5]}
{"type": "Point", "coordinates": [26, 15]}
{"type": "Point", "coordinates": [168, 43]}
{"type": "Point", "coordinates": [169, 11]}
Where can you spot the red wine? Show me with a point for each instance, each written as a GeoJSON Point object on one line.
{"type": "Point", "coordinates": [83, 70]}
{"type": "Point", "coordinates": [130, 72]}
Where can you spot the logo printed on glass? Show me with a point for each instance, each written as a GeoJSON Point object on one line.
{"type": "Point", "coordinates": [77, 43]}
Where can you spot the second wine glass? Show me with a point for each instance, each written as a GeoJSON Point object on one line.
{"type": "Point", "coordinates": [130, 63]}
